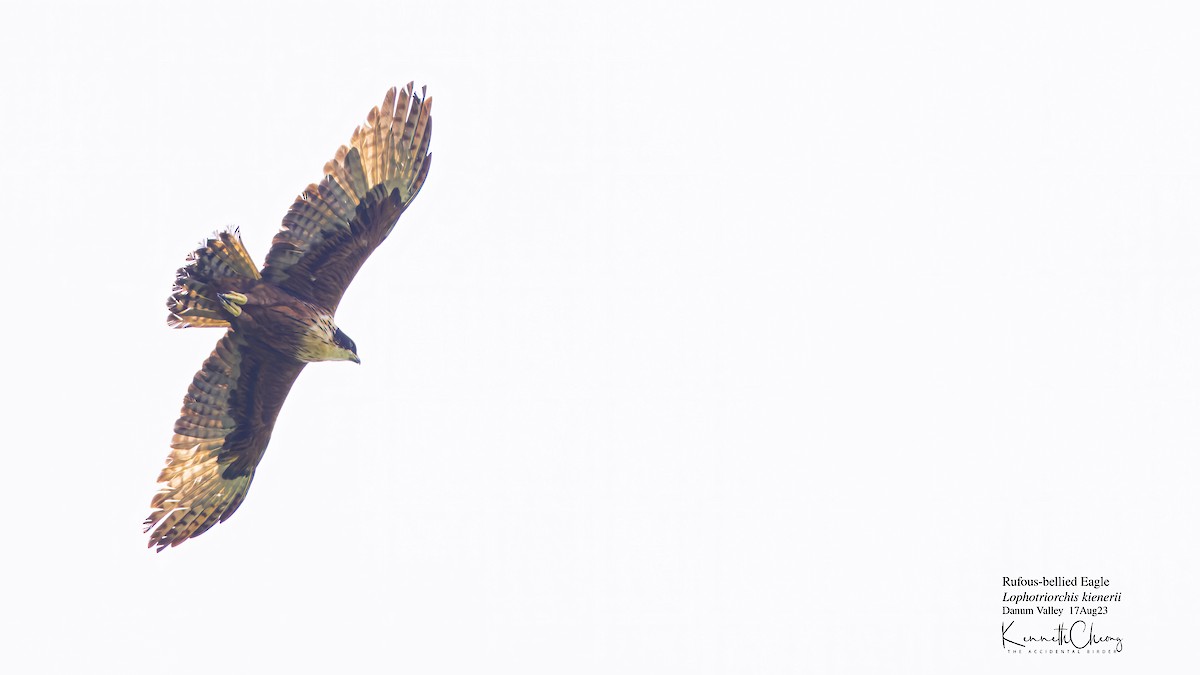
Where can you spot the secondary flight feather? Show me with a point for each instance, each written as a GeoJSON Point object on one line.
{"type": "Point", "coordinates": [280, 318]}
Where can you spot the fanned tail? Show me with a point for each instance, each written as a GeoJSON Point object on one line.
{"type": "Point", "coordinates": [195, 299]}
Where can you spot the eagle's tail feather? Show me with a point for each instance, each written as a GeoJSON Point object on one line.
{"type": "Point", "coordinates": [196, 300]}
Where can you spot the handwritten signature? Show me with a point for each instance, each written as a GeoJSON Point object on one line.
{"type": "Point", "coordinates": [1079, 635]}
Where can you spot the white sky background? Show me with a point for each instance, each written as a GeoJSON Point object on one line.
{"type": "Point", "coordinates": [723, 338]}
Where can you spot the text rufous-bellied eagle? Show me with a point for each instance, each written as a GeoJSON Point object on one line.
{"type": "Point", "coordinates": [281, 318]}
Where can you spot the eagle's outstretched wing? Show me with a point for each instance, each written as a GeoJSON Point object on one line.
{"type": "Point", "coordinates": [334, 225]}
{"type": "Point", "coordinates": [227, 417]}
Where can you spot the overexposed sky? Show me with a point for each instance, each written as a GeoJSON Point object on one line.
{"type": "Point", "coordinates": [723, 337]}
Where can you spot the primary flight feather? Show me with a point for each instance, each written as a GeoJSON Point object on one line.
{"type": "Point", "coordinates": [281, 318]}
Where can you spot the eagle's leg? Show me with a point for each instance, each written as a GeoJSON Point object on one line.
{"type": "Point", "coordinates": [232, 302]}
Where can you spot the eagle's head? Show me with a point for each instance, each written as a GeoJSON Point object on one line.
{"type": "Point", "coordinates": [323, 341]}
{"type": "Point", "coordinates": [345, 350]}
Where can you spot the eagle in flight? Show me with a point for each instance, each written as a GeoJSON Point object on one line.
{"type": "Point", "coordinates": [280, 318]}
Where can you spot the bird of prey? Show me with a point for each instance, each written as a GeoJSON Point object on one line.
{"type": "Point", "coordinates": [280, 318]}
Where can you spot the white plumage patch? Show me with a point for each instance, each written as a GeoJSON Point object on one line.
{"type": "Point", "coordinates": [317, 343]}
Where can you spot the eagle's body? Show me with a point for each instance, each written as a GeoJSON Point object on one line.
{"type": "Point", "coordinates": [277, 320]}
{"type": "Point", "coordinates": [281, 318]}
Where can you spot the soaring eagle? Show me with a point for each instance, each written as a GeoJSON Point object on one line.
{"type": "Point", "coordinates": [281, 318]}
